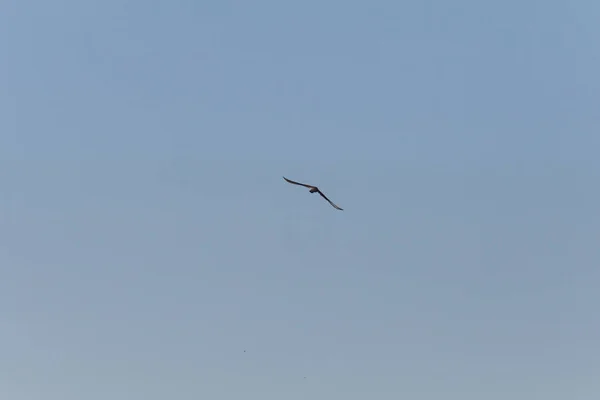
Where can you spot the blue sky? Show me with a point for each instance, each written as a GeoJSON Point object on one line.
{"type": "Point", "coordinates": [147, 238]}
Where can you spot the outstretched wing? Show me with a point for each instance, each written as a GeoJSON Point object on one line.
{"type": "Point", "coordinates": [330, 202]}
{"type": "Point", "coordinates": [298, 183]}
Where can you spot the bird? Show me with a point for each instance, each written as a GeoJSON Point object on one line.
{"type": "Point", "coordinates": [314, 189]}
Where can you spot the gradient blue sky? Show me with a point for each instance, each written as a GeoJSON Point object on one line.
{"type": "Point", "coordinates": [147, 238]}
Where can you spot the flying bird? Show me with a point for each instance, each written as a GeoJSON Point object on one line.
{"type": "Point", "coordinates": [314, 189]}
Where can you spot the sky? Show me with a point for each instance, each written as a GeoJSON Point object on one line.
{"type": "Point", "coordinates": [150, 249]}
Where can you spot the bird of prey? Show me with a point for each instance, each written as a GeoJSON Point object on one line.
{"type": "Point", "coordinates": [313, 189]}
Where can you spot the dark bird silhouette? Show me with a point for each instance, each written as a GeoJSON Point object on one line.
{"type": "Point", "coordinates": [314, 189]}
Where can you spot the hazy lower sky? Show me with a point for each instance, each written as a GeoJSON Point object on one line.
{"type": "Point", "coordinates": [150, 249]}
